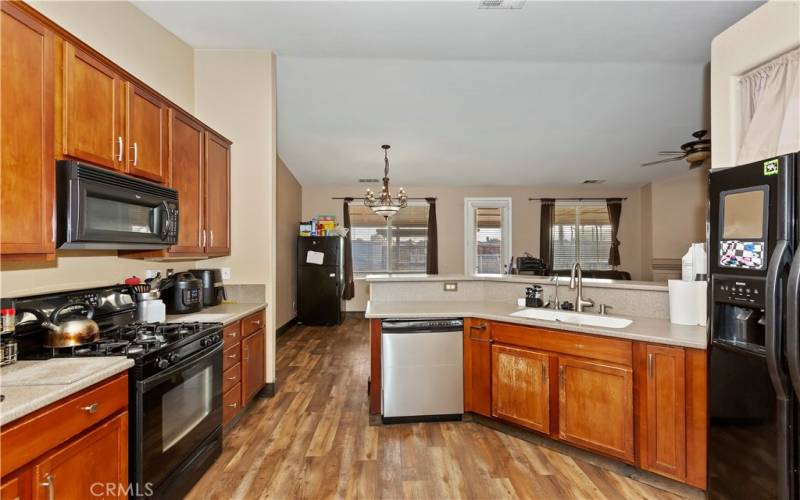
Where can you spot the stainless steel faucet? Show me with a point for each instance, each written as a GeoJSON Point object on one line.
{"type": "Point", "coordinates": [557, 305]}
{"type": "Point", "coordinates": [580, 302]}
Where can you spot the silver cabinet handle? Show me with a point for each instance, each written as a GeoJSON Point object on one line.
{"type": "Point", "coordinates": [232, 378]}
{"type": "Point", "coordinates": [232, 405]}
{"type": "Point", "coordinates": [204, 237]}
{"type": "Point", "coordinates": [650, 365]}
{"type": "Point", "coordinates": [49, 483]}
{"type": "Point", "coordinates": [121, 148]}
{"type": "Point", "coordinates": [233, 334]}
{"type": "Point", "coordinates": [258, 322]}
{"type": "Point", "coordinates": [90, 409]}
{"type": "Point", "coordinates": [232, 356]}
{"type": "Point", "coordinates": [135, 153]}
{"type": "Point", "coordinates": [211, 232]}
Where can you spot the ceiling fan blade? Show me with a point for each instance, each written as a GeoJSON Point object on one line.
{"type": "Point", "coordinates": [666, 160]}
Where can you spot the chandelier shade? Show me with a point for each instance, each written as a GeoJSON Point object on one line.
{"type": "Point", "coordinates": [384, 204]}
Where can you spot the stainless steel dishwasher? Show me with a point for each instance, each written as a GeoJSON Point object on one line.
{"type": "Point", "coordinates": [422, 369]}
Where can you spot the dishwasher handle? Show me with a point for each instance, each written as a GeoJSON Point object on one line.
{"type": "Point", "coordinates": [422, 325]}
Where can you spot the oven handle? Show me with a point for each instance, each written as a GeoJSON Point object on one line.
{"type": "Point", "coordinates": [149, 383]}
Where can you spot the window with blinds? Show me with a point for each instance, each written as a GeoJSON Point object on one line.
{"type": "Point", "coordinates": [581, 233]}
{"type": "Point", "coordinates": [397, 246]}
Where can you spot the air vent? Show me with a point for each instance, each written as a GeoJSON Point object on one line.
{"type": "Point", "coordinates": [369, 181]}
{"type": "Point", "coordinates": [501, 4]}
{"type": "Point", "coordinates": [593, 181]}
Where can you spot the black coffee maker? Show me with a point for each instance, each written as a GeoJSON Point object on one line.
{"type": "Point", "coordinates": [212, 291]}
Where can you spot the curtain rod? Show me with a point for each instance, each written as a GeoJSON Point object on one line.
{"type": "Point", "coordinates": [578, 199]}
{"type": "Point", "coordinates": [354, 198]}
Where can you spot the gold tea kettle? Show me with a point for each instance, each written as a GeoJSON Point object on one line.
{"type": "Point", "coordinates": [73, 332]}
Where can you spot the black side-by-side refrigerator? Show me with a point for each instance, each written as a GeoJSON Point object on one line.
{"type": "Point", "coordinates": [754, 358]}
{"type": "Point", "coordinates": [320, 280]}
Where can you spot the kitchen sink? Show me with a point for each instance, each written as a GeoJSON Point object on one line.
{"type": "Point", "coordinates": [573, 317]}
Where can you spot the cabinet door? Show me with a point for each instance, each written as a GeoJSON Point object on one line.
{"type": "Point", "coordinates": [252, 365]}
{"type": "Point", "coordinates": [85, 467]}
{"type": "Point", "coordinates": [663, 443]}
{"type": "Point", "coordinates": [217, 195]}
{"type": "Point", "coordinates": [520, 387]}
{"type": "Point", "coordinates": [146, 134]}
{"type": "Point", "coordinates": [16, 486]}
{"type": "Point", "coordinates": [186, 170]}
{"type": "Point", "coordinates": [596, 406]}
{"type": "Point", "coordinates": [477, 367]}
{"type": "Point", "coordinates": [92, 110]}
{"type": "Point", "coordinates": [27, 166]}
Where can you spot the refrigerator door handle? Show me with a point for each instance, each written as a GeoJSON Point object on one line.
{"type": "Point", "coordinates": [793, 323]}
{"type": "Point", "coordinates": [774, 315]}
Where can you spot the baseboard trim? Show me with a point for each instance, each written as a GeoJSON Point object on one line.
{"type": "Point", "coordinates": [286, 326]}
{"type": "Point", "coordinates": [267, 391]}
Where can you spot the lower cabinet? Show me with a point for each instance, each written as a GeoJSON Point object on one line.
{"type": "Point", "coordinates": [595, 406]}
{"type": "Point", "coordinates": [477, 367]}
{"type": "Point", "coordinates": [252, 364]}
{"type": "Point", "coordinates": [244, 363]}
{"type": "Point", "coordinates": [521, 387]}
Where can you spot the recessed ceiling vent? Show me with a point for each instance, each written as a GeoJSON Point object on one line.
{"type": "Point", "coordinates": [369, 181]}
{"type": "Point", "coordinates": [501, 4]}
{"type": "Point", "coordinates": [593, 181]}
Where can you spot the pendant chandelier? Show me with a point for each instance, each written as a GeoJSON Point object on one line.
{"type": "Point", "coordinates": [384, 204]}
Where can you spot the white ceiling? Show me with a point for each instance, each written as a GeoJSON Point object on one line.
{"type": "Point", "coordinates": [551, 94]}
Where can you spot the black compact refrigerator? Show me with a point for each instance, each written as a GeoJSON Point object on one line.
{"type": "Point", "coordinates": [754, 358]}
{"type": "Point", "coordinates": [320, 280]}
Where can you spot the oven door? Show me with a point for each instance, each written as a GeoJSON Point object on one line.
{"type": "Point", "coordinates": [180, 408]}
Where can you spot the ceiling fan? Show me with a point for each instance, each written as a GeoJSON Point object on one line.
{"type": "Point", "coordinates": [694, 152]}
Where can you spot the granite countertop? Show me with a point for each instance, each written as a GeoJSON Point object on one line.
{"type": "Point", "coordinates": [30, 385]}
{"type": "Point", "coordinates": [225, 313]}
{"type": "Point", "coordinates": [515, 278]}
{"type": "Point", "coordinates": [659, 331]}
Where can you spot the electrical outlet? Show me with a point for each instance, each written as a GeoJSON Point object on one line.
{"type": "Point", "coordinates": [226, 273]}
{"type": "Point", "coordinates": [450, 286]}
{"type": "Point", "coordinates": [151, 273]}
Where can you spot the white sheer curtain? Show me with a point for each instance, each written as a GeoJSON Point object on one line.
{"type": "Point", "coordinates": [770, 109]}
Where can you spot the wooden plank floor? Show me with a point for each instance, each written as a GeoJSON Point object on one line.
{"type": "Point", "coordinates": [313, 440]}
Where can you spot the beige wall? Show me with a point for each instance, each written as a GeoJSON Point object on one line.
{"type": "Point", "coordinates": [646, 220]}
{"type": "Point", "coordinates": [767, 32]}
{"type": "Point", "coordinates": [450, 218]}
{"type": "Point", "coordinates": [288, 214]}
{"type": "Point", "coordinates": [235, 91]}
{"type": "Point", "coordinates": [157, 57]}
{"type": "Point", "coordinates": [133, 40]}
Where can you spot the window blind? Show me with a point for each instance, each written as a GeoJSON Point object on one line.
{"type": "Point", "coordinates": [396, 246]}
{"type": "Point", "coordinates": [581, 233]}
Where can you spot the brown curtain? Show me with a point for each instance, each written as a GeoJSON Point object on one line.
{"type": "Point", "coordinates": [546, 232]}
{"type": "Point", "coordinates": [614, 211]}
{"type": "Point", "coordinates": [432, 259]}
{"type": "Point", "coordinates": [349, 286]}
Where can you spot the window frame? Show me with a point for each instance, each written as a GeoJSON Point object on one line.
{"type": "Point", "coordinates": [470, 204]}
{"type": "Point", "coordinates": [577, 205]}
{"type": "Point", "coordinates": [389, 249]}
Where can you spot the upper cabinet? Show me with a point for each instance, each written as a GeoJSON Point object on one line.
{"type": "Point", "coordinates": [92, 110]}
{"type": "Point", "coordinates": [218, 191]}
{"type": "Point", "coordinates": [27, 176]}
{"type": "Point", "coordinates": [146, 133]}
{"type": "Point", "coordinates": [61, 99]}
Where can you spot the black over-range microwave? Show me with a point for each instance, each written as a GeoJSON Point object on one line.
{"type": "Point", "coordinates": [101, 209]}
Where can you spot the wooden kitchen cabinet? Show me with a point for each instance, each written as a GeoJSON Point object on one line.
{"type": "Point", "coordinates": [596, 406]}
{"type": "Point", "coordinates": [521, 387]}
{"type": "Point", "coordinates": [17, 486]}
{"type": "Point", "coordinates": [477, 367]}
{"type": "Point", "coordinates": [27, 164]}
{"type": "Point", "coordinates": [87, 465]}
{"type": "Point", "coordinates": [187, 174]}
{"type": "Point", "coordinates": [93, 125]}
{"type": "Point", "coordinates": [253, 359]}
{"type": "Point", "coordinates": [146, 134]}
{"type": "Point", "coordinates": [217, 207]}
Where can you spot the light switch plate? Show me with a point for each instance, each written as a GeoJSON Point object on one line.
{"type": "Point", "coordinates": [450, 286]}
{"type": "Point", "coordinates": [226, 273]}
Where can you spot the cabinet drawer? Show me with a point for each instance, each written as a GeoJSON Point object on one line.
{"type": "Point", "coordinates": [231, 356]}
{"type": "Point", "coordinates": [576, 344]}
{"type": "Point", "coordinates": [33, 435]}
{"type": "Point", "coordinates": [231, 403]}
{"type": "Point", "coordinates": [253, 323]}
{"type": "Point", "coordinates": [231, 377]}
{"type": "Point", "coordinates": [232, 334]}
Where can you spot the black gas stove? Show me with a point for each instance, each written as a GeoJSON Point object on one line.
{"type": "Point", "coordinates": [175, 395]}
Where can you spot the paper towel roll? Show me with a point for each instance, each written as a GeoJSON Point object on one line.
{"type": "Point", "coordinates": [683, 303]}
